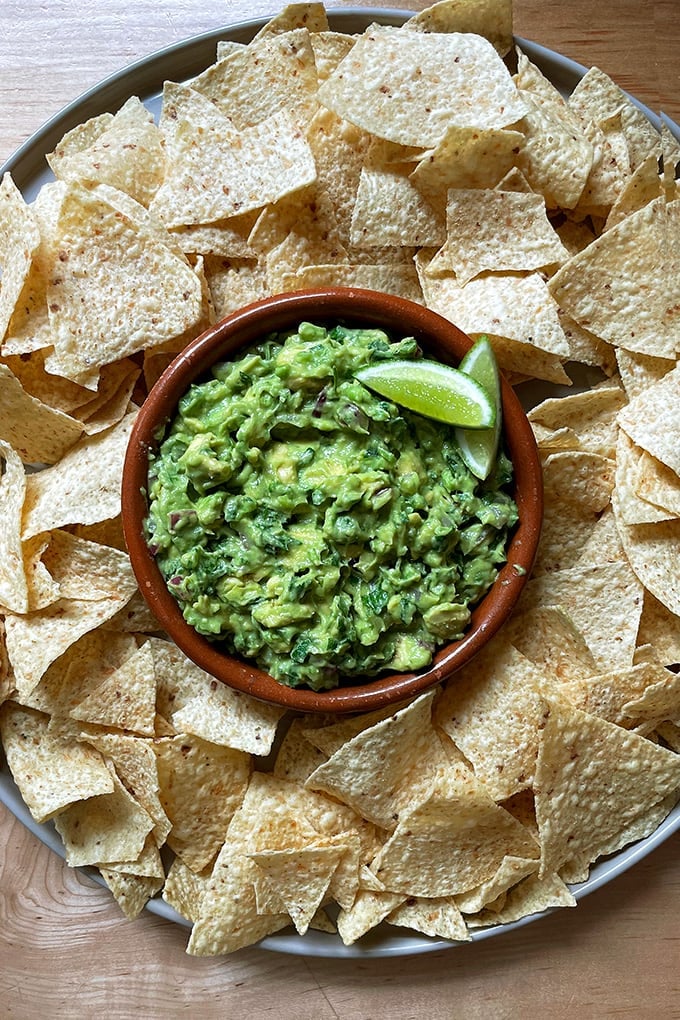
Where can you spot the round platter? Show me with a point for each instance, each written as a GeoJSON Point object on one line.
{"type": "Point", "coordinates": [29, 170]}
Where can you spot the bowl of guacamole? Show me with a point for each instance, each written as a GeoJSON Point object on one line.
{"type": "Point", "coordinates": [307, 540]}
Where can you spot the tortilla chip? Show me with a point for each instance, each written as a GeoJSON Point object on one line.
{"type": "Point", "coordinates": [516, 313]}
{"type": "Point", "coordinates": [80, 137]}
{"type": "Point", "coordinates": [577, 488]}
{"type": "Point", "coordinates": [610, 170]}
{"type": "Point", "coordinates": [131, 892]}
{"type": "Point", "coordinates": [123, 151]}
{"type": "Point", "coordinates": [497, 231]}
{"type": "Point", "coordinates": [14, 593]}
{"type": "Point", "coordinates": [392, 279]}
{"type": "Point", "coordinates": [659, 628]}
{"type": "Point", "coordinates": [38, 639]}
{"type": "Point", "coordinates": [184, 889]}
{"type": "Point", "coordinates": [439, 917]}
{"type": "Point", "coordinates": [40, 434]}
{"type": "Point", "coordinates": [389, 210]}
{"type": "Point", "coordinates": [603, 600]}
{"type": "Point", "coordinates": [619, 287]}
{"type": "Point", "coordinates": [351, 874]}
{"type": "Point", "coordinates": [587, 348]}
{"type": "Point", "coordinates": [276, 72]}
{"type": "Point", "coordinates": [227, 912]}
{"type": "Point", "coordinates": [625, 775]}
{"type": "Point", "coordinates": [511, 871]}
{"type": "Point", "coordinates": [298, 251]}
{"type": "Point", "coordinates": [556, 157]}
{"type": "Point", "coordinates": [107, 266]}
{"type": "Point", "coordinates": [370, 772]}
{"type": "Point", "coordinates": [83, 487]}
{"type": "Point", "coordinates": [87, 570]}
{"type": "Point", "coordinates": [575, 235]}
{"type": "Point", "coordinates": [489, 18]}
{"type": "Point", "coordinates": [147, 865]}
{"type": "Point", "coordinates": [330, 736]}
{"type": "Point", "coordinates": [637, 698]}
{"type": "Point", "coordinates": [533, 895]}
{"type": "Point", "coordinates": [43, 589]}
{"type": "Point", "coordinates": [652, 550]}
{"type": "Point", "coordinates": [135, 764]}
{"type": "Point", "coordinates": [61, 394]}
{"type": "Point", "coordinates": [28, 329]}
{"type": "Point", "coordinates": [219, 714]}
{"type": "Point", "coordinates": [227, 238]}
{"type": "Point", "coordinates": [297, 879]}
{"type": "Point", "coordinates": [51, 772]}
{"type": "Point", "coordinates": [311, 16]}
{"type": "Point", "coordinates": [591, 415]}
{"type": "Point", "coordinates": [633, 509]}
{"type": "Point", "coordinates": [452, 841]}
{"type": "Point", "coordinates": [201, 786]}
{"type": "Point", "coordinates": [19, 240]}
{"type": "Point", "coordinates": [641, 188]}
{"type": "Point", "coordinates": [297, 758]}
{"type": "Point", "coordinates": [126, 699]}
{"type": "Point", "coordinates": [493, 711]}
{"type": "Point", "coordinates": [92, 658]}
{"type": "Point", "coordinates": [340, 150]}
{"type": "Point", "coordinates": [367, 911]}
{"type": "Point", "coordinates": [466, 157]}
{"type": "Point", "coordinates": [670, 734]}
{"type": "Point", "coordinates": [638, 371]}
{"type": "Point", "coordinates": [112, 401]}
{"type": "Point", "coordinates": [597, 97]}
{"type": "Point", "coordinates": [273, 815]}
{"type": "Point", "coordinates": [277, 814]}
{"type": "Point", "coordinates": [640, 828]}
{"type": "Point", "coordinates": [409, 86]}
{"type": "Point", "coordinates": [108, 827]}
{"type": "Point", "coordinates": [551, 640]}
{"type": "Point", "coordinates": [657, 484]}
{"type": "Point", "coordinates": [258, 165]}
{"type": "Point", "coordinates": [6, 680]}
{"type": "Point", "coordinates": [651, 421]}
{"type": "Point", "coordinates": [658, 702]}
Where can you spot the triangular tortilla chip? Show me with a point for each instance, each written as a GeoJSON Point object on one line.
{"type": "Point", "coordinates": [454, 840]}
{"type": "Point", "coordinates": [51, 772]}
{"type": "Point", "coordinates": [624, 774]}
{"type": "Point", "coordinates": [109, 827]}
{"type": "Point", "coordinates": [295, 879]}
{"type": "Point", "coordinates": [83, 487]}
{"type": "Point", "coordinates": [371, 771]}
{"type": "Point", "coordinates": [201, 786]}
{"type": "Point", "coordinates": [126, 699]}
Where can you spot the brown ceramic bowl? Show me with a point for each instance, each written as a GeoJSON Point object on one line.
{"type": "Point", "coordinates": [440, 340]}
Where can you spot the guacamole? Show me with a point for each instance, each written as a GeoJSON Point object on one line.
{"type": "Point", "coordinates": [314, 527]}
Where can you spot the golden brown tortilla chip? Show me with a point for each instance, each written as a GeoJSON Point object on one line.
{"type": "Point", "coordinates": [625, 775]}
{"type": "Point", "coordinates": [51, 772]}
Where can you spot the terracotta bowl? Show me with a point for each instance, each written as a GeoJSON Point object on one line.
{"type": "Point", "coordinates": [440, 340]}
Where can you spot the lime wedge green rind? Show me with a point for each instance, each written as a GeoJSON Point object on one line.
{"type": "Point", "coordinates": [480, 449]}
{"type": "Point", "coordinates": [433, 390]}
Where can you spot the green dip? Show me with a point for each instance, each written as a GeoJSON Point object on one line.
{"type": "Point", "coordinates": [314, 527]}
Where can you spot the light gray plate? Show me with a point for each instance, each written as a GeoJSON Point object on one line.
{"type": "Point", "coordinates": [30, 171]}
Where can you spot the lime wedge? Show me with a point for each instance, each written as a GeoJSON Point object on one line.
{"type": "Point", "coordinates": [479, 449]}
{"type": "Point", "coordinates": [434, 390]}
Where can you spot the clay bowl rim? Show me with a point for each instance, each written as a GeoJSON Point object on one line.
{"type": "Point", "coordinates": [352, 306]}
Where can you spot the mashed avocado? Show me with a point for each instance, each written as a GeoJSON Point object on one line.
{"type": "Point", "coordinates": [315, 527]}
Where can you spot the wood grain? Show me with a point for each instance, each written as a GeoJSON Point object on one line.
{"type": "Point", "coordinates": [65, 949]}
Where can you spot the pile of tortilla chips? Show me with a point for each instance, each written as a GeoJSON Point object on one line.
{"type": "Point", "coordinates": [409, 160]}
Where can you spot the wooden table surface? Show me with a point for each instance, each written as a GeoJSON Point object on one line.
{"type": "Point", "coordinates": [65, 949]}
